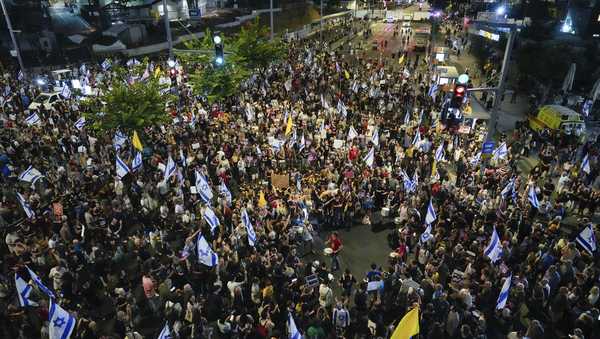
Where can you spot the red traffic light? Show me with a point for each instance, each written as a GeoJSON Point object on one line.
{"type": "Point", "coordinates": [459, 91]}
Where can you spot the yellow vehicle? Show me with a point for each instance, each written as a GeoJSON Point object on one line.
{"type": "Point", "coordinates": [558, 119]}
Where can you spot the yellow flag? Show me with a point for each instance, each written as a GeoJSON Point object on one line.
{"type": "Point", "coordinates": [262, 202]}
{"type": "Point", "coordinates": [401, 60]}
{"type": "Point", "coordinates": [433, 169]}
{"type": "Point", "coordinates": [135, 140]}
{"type": "Point", "coordinates": [157, 72]}
{"type": "Point", "coordinates": [347, 75]}
{"type": "Point", "coordinates": [288, 128]}
{"type": "Point", "coordinates": [408, 326]}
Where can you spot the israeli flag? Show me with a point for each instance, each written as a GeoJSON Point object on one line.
{"type": "Point", "coordinates": [407, 118]}
{"type": "Point", "coordinates": [475, 159]}
{"type": "Point", "coordinates": [106, 64]}
{"type": "Point", "coordinates": [324, 103]}
{"type": "Point", "coordinates": [250, 112]}
{"type": "Point", "coordinates": [500, 152]}
{"type": "Point", "coordinates": [532, 196]}
{"type": "Point", "coordinates": [23, 291]}
{"type": "Point", "coordinates": [80, 123]}
{"type": "Point", "coordinates": [40, 285]}
{"type": "Point", "coordinates": [33, 119]}
{"type": "Point", "coordinates": [494, 248]}
{"type": "Point", "coordinates": [298, 184]}
{"type": "Point", "coordinates": [169, 169]}
{"type": "Point", "coordinates": [224, 191]}
{"type": "Point", "coordinates": [369, 159]}
{"type": "Point", "coordinates": [165, 333]}
{"type": "Point", "coordinates": [375, 137]}
{"type": "Point", "coordinates": [426, 236]}
{"type": "Point", "coordinates": [409, 185]}
{"type": "Point", "coordinates": [30, 175]}
{"type": "Point", "coordinates": [417, 138]}
{"type": "Point", "coordinates": [355, 87]}
{"type": "Point", "coordinates": [61, 322]}
{"type": "Point", "coordinates": [351, 133]}
{"type": "Point", "coordinates": [508, 188]}
{"type": "Point", "coordinates": [342, 108]}
{"type": "Point", "coordinates": [430, 216]}
{"type": "Point", "coordinates": [249, 228]}
{"type": "Point", "coordinates": [137, 162]}
{"type": "Point", "coordinates": [66, 92]}
{"type": "Point", "coordinates": [183, 158]}
{"type": "Point", "coordinates": [292, 329]}
{"type": "Point", "coordinates": [211, 219]}
{"type": "Point", "coordinates": [119, 140]}
{"type": "Point", "coordinates": [587, 239]}
{"type": "Point", "coordinates": [439, 152]}
{"type": "Point", "coordinates": [206, 255]}
{"type": "Point", "coordinates": [504, 292]}
{"type": "Point", "coordinates": [132, 62]}
{"type": "Point", "coordinates": [203, 188]}
{"type": "Point", "coordinates": [302, 144]}
{"type": "Point", "coordinates": [20, 76]}
{"type": "Point", "coordinates": [433, 89]}
{"type": "Point", "coordinates": [26, 208]}
{"type": "Point", "coordinates": [585, 164]}
{"type": "Point", "coordinates": [122, 168]}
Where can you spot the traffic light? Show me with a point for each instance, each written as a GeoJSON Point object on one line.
{"type": "Point", "coordinates": [219, 54]}
{"type": "Point", "coordinates": [458, 96]}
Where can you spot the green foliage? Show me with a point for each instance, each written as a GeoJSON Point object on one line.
{"type": "Point", "coordinates": [248, 50]}
{"type": "Point", "coordinates": [130, 107]}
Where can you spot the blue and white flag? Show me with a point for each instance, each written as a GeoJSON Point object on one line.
{"type": "Point", "coordinates": [342, 108]}
{"type": "Point", "coordinates": [132, 62]}
{"type": "Point", "coordinates": [407, 118]}
{"type": "Point", "coordinates": [122, 168]}
{"type": "Point", "coordinates": [494, 248]}
{"type": "Point", "coordinates": [426, 236]}
{"type": "Point", "coordinates": [165, 333]}
{"type": "Point", "coordinates": [587, 239]}
{"type": "Point", "coordinates": [510, 186]}
{"type": "Point", "coordinates": [475, 159]}
{"type": "Point", "coordinates": [183, 158]}
{"type": "Point", "coordinates": [433, 89]}
{"type": "Point", "coordinates": [137, 163]}
{"type": "Point", "coordinates": [40, 285]}
{"type": "Point", "coordinates": [169, 169]}
{"type": "Point", "coordinates": [145, 75]}
{"type": "Point", "coordinates": [532, 197]}
{"type": "Point", "coordinates": [66, 92]}
{"type": "Point", "coordinates": [20, 76]}
{"type": "Point", "coordinates": [292, 329]}
{"type": "Point", "coordinates": [23, 291]}
{"type": "Point", "coordinates": [30, 175]}
{"type": "Point", "coordinates": [80, 123]}
{"type": "Point", "coordinates": [585, 164]}
{"type": "Point", "coordinates": [249, 228]}
{"type": "Point", "coordinates": [351, 133]}
{"type": "Point", "coordinates": [439, 152]}
{"type": "Point", "coordinates": [119, 140]}
{"type": "Point", "coordinates": [224, 191]}
{"type": "Point", "coordinates": [302, 144]}
{"type": "Point", "coordinates": [369, 159]}
{"type": "Point", "coordinates": [409, 185]}
{"type": "Point", "coordinates": [33, 119]}
{"type": "Point", "coordinates": [375, 137]}
{"type": "Point", "coordinates": [324, 103]}
{"type": "Point", "coordinates": [298, 184]}
{"type": "Point", "coordinates": [504, 292]}
{"type": "Point", "coordinates": [61, 322]}
{"type": "Point", "coordinates": [26, 208]}
{"type": "Point", "coordinates": [106, 64]}
{"type": "Point", "coordinates": [500, 152]}
{"type": "Point", "coordinates": [417, 138]}
{"type": "Point", "coordinates": [430, 216]}
{"type": "Point", "coordinates": [203, 188]}
{"type": "Point", "coordinates": [206, 255]}
{"type": "Point", "coordinates": [211, 219]}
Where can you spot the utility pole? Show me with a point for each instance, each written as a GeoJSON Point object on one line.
{"type": "Point", "coordinates": [13, 38]}
{"type": "Point", "coordinates": [321, 22]}
{"type": "Point", "coordinates": [499, 91]}
{"type": "Point", "coordinates": [168, 28]}
{"type": "Point", "coordinates": [271, 15]}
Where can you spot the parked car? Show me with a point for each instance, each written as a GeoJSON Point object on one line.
{"type": "Point", "coordinates": [45, 100]}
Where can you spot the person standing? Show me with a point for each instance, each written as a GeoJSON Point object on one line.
{"type": "Point", "coordinates": [335, 243]}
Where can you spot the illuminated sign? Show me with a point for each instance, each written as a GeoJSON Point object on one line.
{"type": "Point", "coordinates": [489, 35]}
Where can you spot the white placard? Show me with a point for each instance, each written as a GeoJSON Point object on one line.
{"type": "Point", "coordinates": [196, 145]}
{"type": "Point", "coordinates": [161, 166]}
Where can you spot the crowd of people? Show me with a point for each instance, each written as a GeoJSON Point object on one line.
{"type": "Point", "coordinates": [208, 235]}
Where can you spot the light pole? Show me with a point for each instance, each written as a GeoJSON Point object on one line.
{"type": "Point", "coordinates": [168, 28]}
{"type": "Point", "coordinates": [13, 38]}
{"type": "Point", "coordinates": [271, 15]}
{"type": "Point", "coordinates": [321, 22]}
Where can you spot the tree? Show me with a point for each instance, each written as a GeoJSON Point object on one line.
{"type": "Point", "coordinates": [254, 48]}
{"type": "Point", "coordinates": [218, 82]}
{"type": "Point", "coordinates": [130, 105]}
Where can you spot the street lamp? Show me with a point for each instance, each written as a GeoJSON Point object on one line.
{"type": "Point", "coordinates": [501, 10]}
{"type": "Point", "coordinates": [217, 39]}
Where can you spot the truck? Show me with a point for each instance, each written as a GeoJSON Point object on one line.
{"type": "Point", "coordinates": [558, 119]}
{"type": "Point", "coordinates": [421, 38]}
